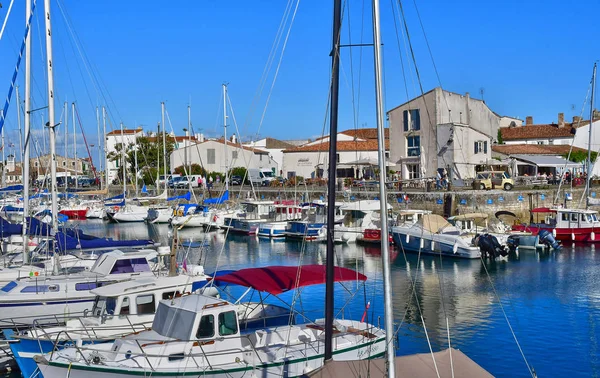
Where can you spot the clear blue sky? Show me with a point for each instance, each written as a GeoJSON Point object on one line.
{"type": "Point", "coordinates": [533, 58]}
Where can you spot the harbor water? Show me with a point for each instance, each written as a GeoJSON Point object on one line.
{"type": "Point", "coordinates": [538, 311]}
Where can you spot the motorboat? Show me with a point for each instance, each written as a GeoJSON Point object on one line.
{"type": "Point", "coordinates": [358, 216]}
{"type": "Point", "coordinates": [565, 224]}
{"type": "Point", "coordinates": [285, 211]}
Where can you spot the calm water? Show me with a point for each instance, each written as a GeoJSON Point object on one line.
{"type": "Point", "coordinates": [551, 300]}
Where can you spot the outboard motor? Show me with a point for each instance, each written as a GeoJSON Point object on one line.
{"type": "Point", "coordinates": [548, 239]}
{"type": "Point", "coordinates": [513, 243]}
{"type": "Point", "coordinates": [489, 245]}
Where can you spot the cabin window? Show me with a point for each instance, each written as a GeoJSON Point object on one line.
{"type": "Point", "coordinates": [594, 218]}
{"type": "Point", "coordinates": [573, 217]}
{"type": "Point", "coordinates": [170, 295]}
{"type": "Point", "coordinates": [565, 217]}
{"type": "Point", "coordinates": [206, 328]}
{"type": "Point", "coordinates": [9, 286]}
{"type": "Point", "coordinates": [145, 304]}
{"type": "Point", "coordinates": [210, 156]}
{"type": "Point", "coordinates": [40, 289]}
{"type": "Point", "coordinates": [130, 266]}
{"type": "Point", "coordinates": [125, 307]}
{"type": "Point", "coordinates": [104, 305]}
{"type": "Point", "coordinates": [227, 323]}
{"type": "Point", "coordinates": [84, 286]}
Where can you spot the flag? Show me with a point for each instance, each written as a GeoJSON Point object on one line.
{"type": "Point", "coordinates": [144, 189]}
{"type": "Point", "coordinates": [185, 265]}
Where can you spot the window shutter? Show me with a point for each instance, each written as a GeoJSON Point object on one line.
{"type": "Point", "coordinates": [476, 151]}
{"type": "Point", "coordinates": [417, 119]}
{"type": "Point", "coordinates": [405, 115]}
{"type": "Point", "coordinates": [485, 147]}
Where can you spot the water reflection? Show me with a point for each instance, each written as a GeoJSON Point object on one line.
{"type": "Point", "coordinates": [551, 299]}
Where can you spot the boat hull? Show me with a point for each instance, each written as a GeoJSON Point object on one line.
{"type": "Point", "coordinates": [272, 230]}
{"type": "Point", "coordinates": [583, 235]}
{"type": "Point", "coordinates": [432, 245]}
{"type": "Point", "coordinates": [74, 213]}
{"type": "Point", "coordinates": [305, 231]}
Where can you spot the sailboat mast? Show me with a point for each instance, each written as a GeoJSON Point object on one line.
{"type": "Point", "coordinates": [162, 105]}
{"type": "Point", "coordinates": [333, 120]}
{"type": "Point", "coordinates": [27, 129]}
{"type": "Point", "coordinates": [66, 118]}
{"type": "Point", "coordinates": [589, 157]}
{"type": "Point", "coordinates": [3, 161]}
{"type": "Point", "coordinates": [225, 133]}
{"type": "Point", "coordinates": [99, 145]}
{"type": "Point", "coordinates": [51, 124]}
{"type": "Point", "coordinates": [385, 252]}
{"type": "Point", "coordinates": [186, 143]}
{"type": "Point", "coordinates": [74, 142]}
{"type": "Point", "coordinates": [104, 145]}
{"type": "Point", "coordinates": [123, 161]}
{"type": "Point", "coordinates": [135, 162]}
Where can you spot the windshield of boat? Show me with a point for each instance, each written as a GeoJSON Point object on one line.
{"type": "Point", "coordinates": [104, 305]}
{"type": "Point", "coordinates": [173, 322]}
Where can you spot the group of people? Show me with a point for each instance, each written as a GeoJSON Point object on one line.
{"type": "Point", "coordinates": [567, 177]}
{"type": "Point", "coordinates": [441, 181]}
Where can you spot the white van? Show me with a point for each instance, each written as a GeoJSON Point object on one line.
{"type": "Point", "coordinates": [260, 176]}
{"type": "Point", "coordinates": [162, 178]}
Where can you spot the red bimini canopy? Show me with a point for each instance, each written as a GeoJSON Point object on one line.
{"type": "Point", "coordinates": [543, 210]}
{"type": "Point", "coordinates": [278, 279]}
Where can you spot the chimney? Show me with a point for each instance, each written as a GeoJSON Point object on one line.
{"type": "Point", "coordinates": [576, 120]}
{"type": "Point", "coordinates": [201, 138]}
{"type": "Point", "coordinates": [233, 139]}
{"type": "Point", "coordinates": [528, 120]}
{"type": "Point", "coordinates": [596, 115]}
{"type": "Point", "coordinates": [561, 119]}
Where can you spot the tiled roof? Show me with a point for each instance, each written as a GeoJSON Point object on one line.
{"type": "Point", "coordinates": [537, 132]}
{"type": "Point", "coordinates": [534, 149]}
{"type": "Point", "coordinates": [276, 143]}
{"type": "Point", "coordinates": [367, 145]}
{"type": "Point", "coordinates": [125, 132]}
{"type": "Point", "coordinates": [369, 133]}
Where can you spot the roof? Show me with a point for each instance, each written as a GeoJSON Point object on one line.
{"type": "Point", "coordinates": [368, 133]}
{"type": "Point", "coordinates": [433, 222]}
{"type": "Point", "coordinates": [546, 131]}
{"type": "Point", "coordinates": [278, 279]}
{"type": "Point", "coordinates": [276, 143]}
{"type": "Point", "coordinates": [444, 364]}
{"type": "Point", "coordinates": [125, 132]}
{"type": "Point", "coordinates": [534, 149]}
{"type": "Point", "coordinates": [350, 145]}
{"type": "Point", "coordinates": [547, 161]}
{"type": "Point", "coordinates": [194, 303]}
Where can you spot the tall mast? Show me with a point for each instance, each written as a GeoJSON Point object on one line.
{"type": "Point", "coordinates": [186, 143]}
{"type": "Point", "coordinates": [99, 145]}
{"type": "Point", "coordinates": [385, 252]}
{"type": "Point", "coordinates": [589, 157]}
{"type": "Point", "coordinates": [225, 135]}
{"type": "Point", "coordinates": [135, 161]}
{"type": "Point", "coordinates": [74, 142]}
{"type": "Point", "coordinates": [26, 128]}
{"type": "Point", "coordinates": [164, 136]}
{"type": "Point", "coordinates": [66, 119]}
{"type": "Point", "coordinates": [333, 120]}
{"type": "Point", "coordinates": [104, 146]}
{"type": "Point", "coordinates": [3, 161]}
{"type": "Point", "coordinates": [123, 161]}
{"type": "Point", "coordinates": [51, 124]}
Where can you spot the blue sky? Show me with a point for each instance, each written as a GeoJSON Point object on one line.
{"type": "Point", "coordinates": [532, 58]}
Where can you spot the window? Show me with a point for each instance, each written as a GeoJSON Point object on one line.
{"type": "Point", "coordinates": [565, 216]}
{"type": "Point", "coordinates": [260, 157]}
{"type": "Point", "coordinates": [84, 286]}
{"type": "Point", "coordinates": [170, 295]}
{"type": "Point", "coordinates": [40, 288]}
{"type": "Point", "coordinates": [412, 120]}
{"type": "Point", "coordinates": [64, 163]}
{"type": "Point", "coordinates": [413, 171]}
{"type": "Point", "coordinates": [206, 328]}
{"type": "Point", "coordinates": [73, 163]}
{"type": "Point", "coordinates": [481, 147]}
{"type": "Point", "coordinates": [337, 158]}
{"type": "Point", "coordinates": [227, 323]}
{"type": "Point", "coordinates": [145, 304]}
{"type": "Point", "coordinates": [574, 217]}
{"type": "Point", "coordinates": [540, 142]}
{"type": "Point", "coordinates": [130, 266]}
{"type": "Point", "coordinates": [210, 156]}
{"type": "Point", "coordinates": [35, 164]}
{"type": "Point", "coordinates": [9, 286]}
{"type": "Point", "coordinates": [550, 141]}
{"type": "Point", "coordinates": [124, 306]}
{"type": "Point", "coordinates": [413, 145]}
{"type": "Point", "coordinates": [234, 154]}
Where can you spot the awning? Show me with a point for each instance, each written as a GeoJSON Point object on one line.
{"type": "Point", "coordinates": [278, 279]}
{"type": "Point", "coordinates": [547, 161]}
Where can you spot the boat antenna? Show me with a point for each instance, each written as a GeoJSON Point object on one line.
{"type": "Point", "coordinates": [385, 252]}
{"type": "Point", "coordinates": [333, 120]}
{"type": "Point", "coordinates": [589, 156]}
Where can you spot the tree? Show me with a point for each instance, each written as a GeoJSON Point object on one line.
{"type": "Point", "coordinates": [580, 156]}
{"type": "Point", "coordinates": [194, 169]}
{"type": "Point", "coordinates": [500, 140]}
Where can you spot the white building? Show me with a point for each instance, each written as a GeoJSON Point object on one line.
{"type": "Point", "coordinates": [113, 138]}
{"type": "Point", "coordinates": [211, 154]}
{"type": "Point", "coordinates": [442, 129]}
{"type": "Point", "coordinates": [275, 149]}
{"type": "Point", "coordinates": [311, 160]}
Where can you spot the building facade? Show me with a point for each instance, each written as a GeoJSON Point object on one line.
{"type": "Point", "coordinates": [443, 130]}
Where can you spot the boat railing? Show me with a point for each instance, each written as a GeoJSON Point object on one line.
{"type": "Point", "coordinates": [19, 323]}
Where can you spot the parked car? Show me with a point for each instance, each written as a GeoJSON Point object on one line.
{"type": "Point", "coordinates": [235, 180]}
{"type": "Point", "coordinates": [495, 179]}
{"type": "Point", "coordinates": [174, 181]}
{"type": "Point", "coordinates": [183, 183]}
{"type": "Point", "coordinates": [168, 178]}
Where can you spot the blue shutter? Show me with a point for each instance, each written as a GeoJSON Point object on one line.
{"type": "Point", "coordinates": [405, 114]}
{"type": "Point", "coordinates": [417, 119]}
{"type": "Point", "coordinates": [485, 147]}
{"type": "Point", "coordinates": [476, 150]}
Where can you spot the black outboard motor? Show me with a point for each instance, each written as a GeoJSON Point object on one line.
{"type": "Point", "coordinates": [489, 246]}
{"type": "Point", "coordinates": [548, 239]}
{"type": "Point", "coordinates": [513, 242]}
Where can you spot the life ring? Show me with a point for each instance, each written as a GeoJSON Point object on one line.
{"type": "Point", "coordinates": [116, 208]}
{"type": "Point", "coordinates": [180, 212]}
{"type": "Point", "coordinates": [215, 218]}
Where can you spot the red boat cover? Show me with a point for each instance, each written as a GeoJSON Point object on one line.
{"type": "Point", "coordinates": [277, 279]}
{"type": "Point", "coordinates": [543, 210]}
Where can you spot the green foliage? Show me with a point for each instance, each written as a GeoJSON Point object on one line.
{"type": "Point", "coordinates": [239, 171]}
{"type": "Point", "coordinates": [500, 140]}
{"type": "Point", "coordinates": [194, 169]}
{"type": "Point", "coordinates": [580, 156]}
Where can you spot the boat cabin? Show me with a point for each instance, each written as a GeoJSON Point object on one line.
{"type": "Point", "coordinates": [471, 222]}
{"type": "Point", "coordinates": [117, 263]}
{"type": "Point", "coordinates": [566, 218]}
{"type": "Point", "coordinates": [408, 217]}
{"type": "Point", "coordinates": [258, 210]}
